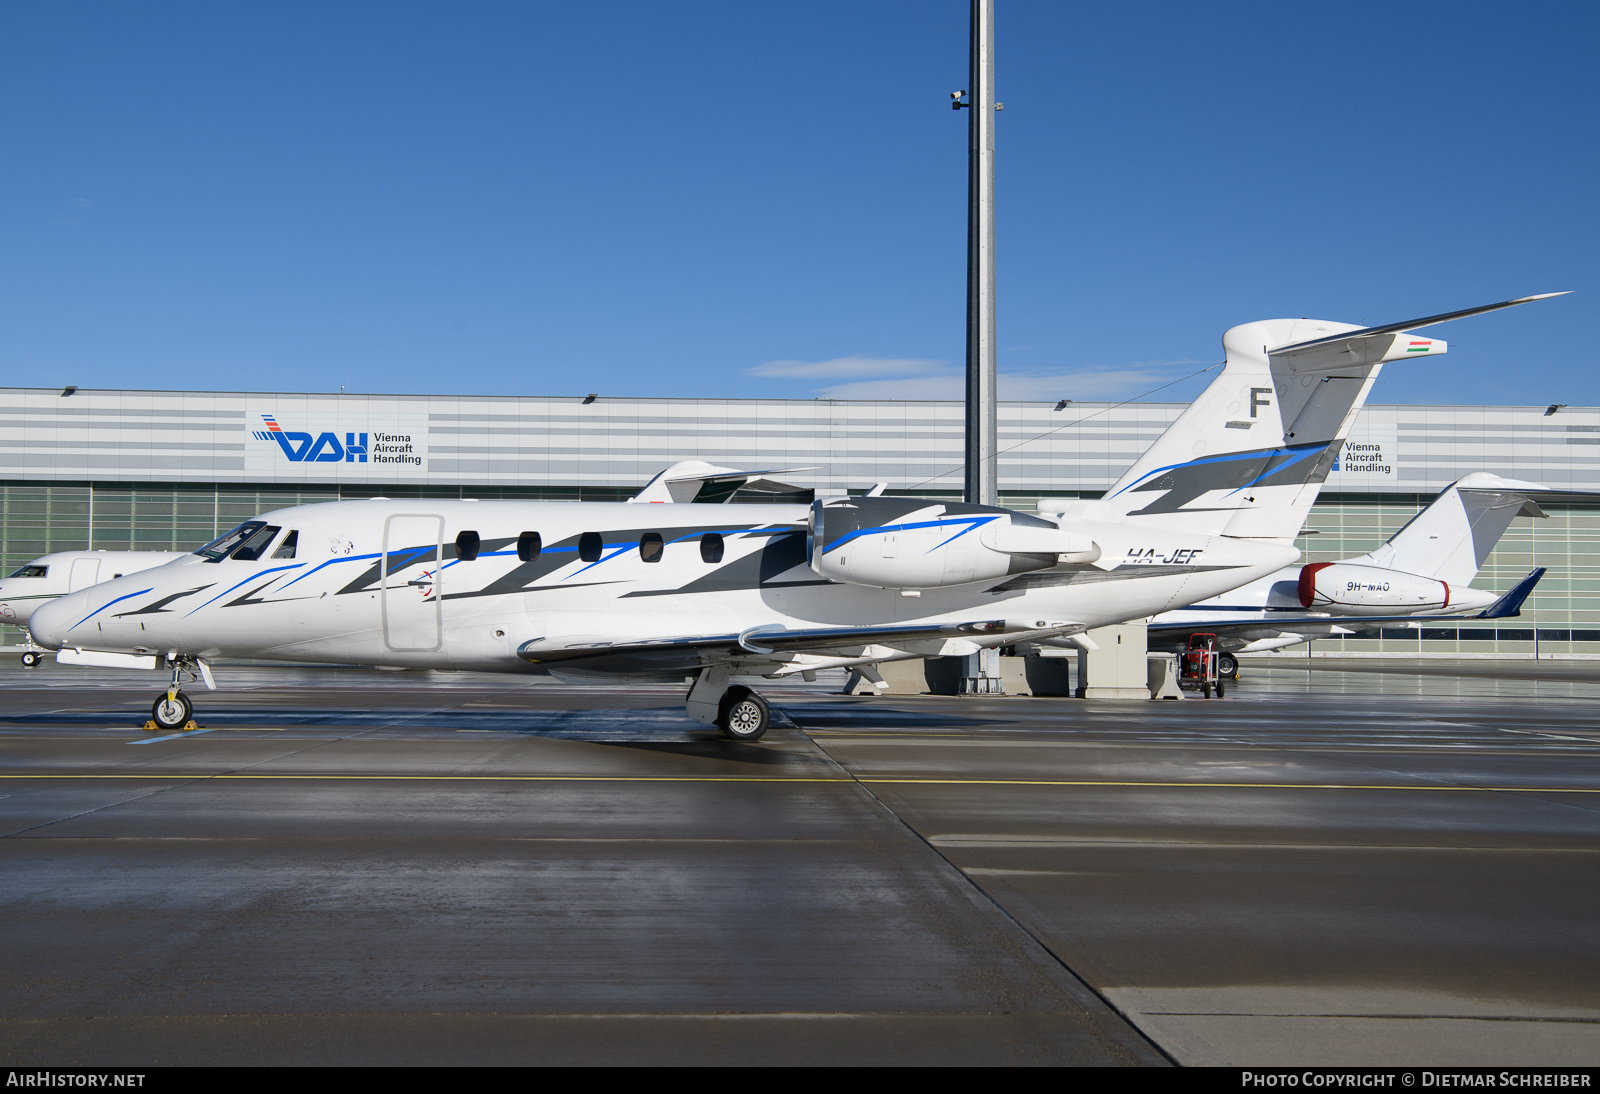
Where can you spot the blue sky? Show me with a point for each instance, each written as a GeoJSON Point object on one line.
{"type": "Point", "coordinates": [707, 199]}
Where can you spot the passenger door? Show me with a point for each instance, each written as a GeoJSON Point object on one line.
{"type": "Point", "coordinates": [85, 572]}
{"type": "Point", "coordinates": [413, 589]}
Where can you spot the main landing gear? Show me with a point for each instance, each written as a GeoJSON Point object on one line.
{"type": "Point", "coordinates": [740, 713]}
{"type": "Point", "coordinates": [172, 709]}
{"type": "Point", "coordinates": [743, 715]}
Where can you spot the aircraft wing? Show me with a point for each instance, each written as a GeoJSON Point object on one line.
{"type": "Point", "coordinates": [780, 644]}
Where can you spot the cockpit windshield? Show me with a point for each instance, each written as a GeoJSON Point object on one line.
{"type": "Point", "coordinates": [30, 570]}
{"type": "Point", "coordinates": [259, 541]}
{"type": "Point", "coordinates": [221, 547]}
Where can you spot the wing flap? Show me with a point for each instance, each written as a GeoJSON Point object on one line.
{"type": "Point", "coordinates": [777, 643]}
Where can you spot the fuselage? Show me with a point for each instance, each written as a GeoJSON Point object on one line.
{"type": "Point", "coordinates": [387, 582]}
{"type": "Point", "coordinates": [1279, 597]}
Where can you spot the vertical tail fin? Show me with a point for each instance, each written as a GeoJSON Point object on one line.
{"type": "Point", "coordinates": [1450, 539]}
{"type": "Point", "coordinates": [1249, 455]}
{"type": "Point", "coordinates": [1248, 458]}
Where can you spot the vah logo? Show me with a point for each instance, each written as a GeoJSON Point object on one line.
{"type": "Point", "coordinates": [325, 447]}
{"type": "Point", "coordinates": [304, 448]}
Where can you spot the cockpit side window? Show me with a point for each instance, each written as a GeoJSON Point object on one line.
{"type": "Point", "coordinates": [258, 541]}
{"type": "Point", "coordinates": [286, 548]}
{"type": "Point", "coordinates": [30, 570]}
{"type": "Point", "coordinates": [219, 548]}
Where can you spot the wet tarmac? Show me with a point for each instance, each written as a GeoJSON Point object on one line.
{"type": "Point", "coordinates": [1329, 866]}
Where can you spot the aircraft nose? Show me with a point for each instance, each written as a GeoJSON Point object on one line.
{"type": "Point", "coordinates": [52, 621]}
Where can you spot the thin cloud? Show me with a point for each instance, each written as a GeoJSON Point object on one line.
{"type": "Point", "coordinates": [849, 366]}
{"type": "Point", "coordinates": [1090, 385]}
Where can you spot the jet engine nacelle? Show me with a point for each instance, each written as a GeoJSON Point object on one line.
{"type": "Point", "coordinates": [1356, 590]}
{"type": "Point", "coordinates": [910, 543]}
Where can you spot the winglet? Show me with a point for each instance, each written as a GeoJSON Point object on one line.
{"type": "Point", "coordinates": [1510, 604]}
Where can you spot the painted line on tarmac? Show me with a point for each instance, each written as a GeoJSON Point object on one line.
{"type": "Point", "coordinates": [825, 779]}
{"type": "Point", "coordinates": [465, 778]}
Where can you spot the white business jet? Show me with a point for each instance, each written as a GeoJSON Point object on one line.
{"type": "Point", "coordinates": [587, 591]}
{"type": "Point", "coordinates": [55, 575]}
{"type": "Point", "coordinates": [1423, 570]}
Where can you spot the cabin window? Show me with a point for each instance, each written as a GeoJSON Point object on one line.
{"type": "Point", "coordinates": [254, 544]}
{"type": "Point", "coordinates": [711, 547]}
{"type": "Point", "coordinates": [650, 546]}
{"type": "Point", "coordinates": [31, 570]}
{"type": "Point", "coordinates": [528, 546]}
{"type": "Point", "coordinates": [467, 544]}
{"type": "Point", "coordinates": [590, 546]}
{"type": "Point", "coordinates": [286, 548]}
{"type": "Point", "coordinates": [219, 548]}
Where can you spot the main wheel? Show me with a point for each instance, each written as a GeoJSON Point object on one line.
{"type": "Point", "coordinates": [30, 659]}
{"type": "Point", "coordinates": [744, 715]}
{"type": "Point", "coordinates": [172, 713]}
{"type": "Point", "coordinates": [1228, 665]}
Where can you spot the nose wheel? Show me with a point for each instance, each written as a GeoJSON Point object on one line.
{"type": "Point", "coordinates": [31, 659]}
{"type": "Point", "coordinates": [172, 710]}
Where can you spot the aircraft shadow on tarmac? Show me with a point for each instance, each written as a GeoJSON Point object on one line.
{"type": "Point", "coordinates": [649, 726]}
{"type": "Point", "coordinates": [710, 748]}
{"type": "Point", "coordinates": [871, 715]}
{"type": "Point", "coordinates": [645, 724]}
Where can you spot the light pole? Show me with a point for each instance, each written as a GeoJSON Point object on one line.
{"type": "Point", "coordinates": [982, 471]}
{"type": "Point", "coordinates": [981, 673]}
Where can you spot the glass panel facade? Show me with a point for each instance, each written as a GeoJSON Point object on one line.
{"type": "Point", "coordinates": [146, 470]}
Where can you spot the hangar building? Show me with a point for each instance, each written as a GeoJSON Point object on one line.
{"type": "Point", "coordinates": [162, 470]}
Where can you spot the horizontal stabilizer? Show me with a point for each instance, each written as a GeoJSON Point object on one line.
{"type": "Point", "coordinates": [1408, 324]}
{"type": "Point", "coordinates": [699, 481]}
{"type": "Point", "coordinates": [1511, 604]}
{"type": "Point", "coordinates": [737, 474]}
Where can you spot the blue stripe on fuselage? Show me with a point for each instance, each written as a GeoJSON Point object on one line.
{"type": "Point", "coordinates": [970, 522]}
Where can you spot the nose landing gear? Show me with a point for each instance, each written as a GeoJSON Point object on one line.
{"type": "Point", "coordinates": [172, 709]}
{"type": "Point", "coordinates": [31, 653]}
